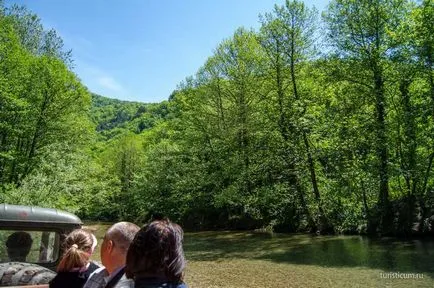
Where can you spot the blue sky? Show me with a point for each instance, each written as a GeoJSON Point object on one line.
{"type": "Point", "coordinates": [140, 50]}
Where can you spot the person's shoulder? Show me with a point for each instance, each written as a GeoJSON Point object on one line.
{"type": "Point", "coordinates": [99, 271]}
{"type": "Point", "coordinates": [67, 279]}
{"type": "Point", "coordinates": [124, 282]}
{"type": "Point", "coordinates": [157, 283]}
{"type": "Point", "coordinates": [96, 279]}
{"type": "Point", "coordinates": [93, 267]}
{"type": "Point", "coordinates": [173, 285]}
{"type": "Point", "coordinates": [89, 271]}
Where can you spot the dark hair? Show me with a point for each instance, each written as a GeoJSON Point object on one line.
{"type": "Point", "coordinates": [157, 250]}
{"type": "Point", "coordinates": [18, 245]}
{"type": "Point", "coordinates": [77, 250]}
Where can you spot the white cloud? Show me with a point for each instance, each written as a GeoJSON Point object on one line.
{"type": "Point", "coordinates": [98, 80]}
{"type": "Point", "coordinates": [109, 83]}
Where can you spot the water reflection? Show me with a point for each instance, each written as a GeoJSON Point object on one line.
{"type": "Point", "coordinates": [388, 254]}
{"type": "Point", "coordinates": [385, 254]}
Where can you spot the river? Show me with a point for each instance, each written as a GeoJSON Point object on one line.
{"type": "Point", "coordinates": [247, 259]}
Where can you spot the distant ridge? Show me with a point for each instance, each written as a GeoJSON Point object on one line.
{"type": "Point", "coordinates": [113, 116]}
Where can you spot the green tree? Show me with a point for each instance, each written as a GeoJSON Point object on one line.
{"type": "Point", "coordinates": [14, 74]}
{"type": "Point", "coordinates": [32, 35]}
{"type": "Point", "coordinates": [423, 38]}
{"type": "Point", "coordinates": [288, 37]}
{"type": "Point", "coordinates": [358, 32]}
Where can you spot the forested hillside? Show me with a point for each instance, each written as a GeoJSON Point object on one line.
{"type": "Point", "coordinates": [321, 124]}
{"type": "Point", "coordinates": [113, 117]}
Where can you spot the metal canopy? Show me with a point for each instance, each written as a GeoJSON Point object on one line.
{"type": "Point", "coordinates": [31, 214]}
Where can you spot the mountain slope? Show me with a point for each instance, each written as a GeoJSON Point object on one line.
{"type": "Point", "coordinates": [113, 116]}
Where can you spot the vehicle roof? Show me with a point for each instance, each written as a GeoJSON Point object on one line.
{"type": "Point", "coordinates": [19, 213]}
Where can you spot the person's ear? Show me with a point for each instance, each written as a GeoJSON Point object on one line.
{"type": "Point", "coordinates": [110, 246]}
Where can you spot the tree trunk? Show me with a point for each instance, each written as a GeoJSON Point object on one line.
{"type": "Point", "coordinates": [323, 221]}
{"type": "Point", "coordinates": [382, 152]}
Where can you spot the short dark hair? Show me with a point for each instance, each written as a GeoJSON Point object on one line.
{"type": "Point", "coordinates": [18, 245]}
{"type": "Point", "coordinates": [156, 250]}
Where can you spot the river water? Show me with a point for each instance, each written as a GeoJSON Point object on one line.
{"type": "Point", "coordinates": [387, 254]}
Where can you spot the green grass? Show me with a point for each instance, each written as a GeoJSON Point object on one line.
{"type": "Point", "coordinates": [243, 259]}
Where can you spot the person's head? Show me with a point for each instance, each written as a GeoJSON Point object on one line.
{"type": "Point", "coordinates": [157, 251]}
{"type": "Point", "coordinates": [115, 245]}
{"type": "Point", "coordinates": [18, 246]}
{"type": "Point", "coordinates": [78, 246]}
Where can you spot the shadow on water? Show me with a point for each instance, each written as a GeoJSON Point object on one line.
{"type": "Point", "coordinates": [388, 254]}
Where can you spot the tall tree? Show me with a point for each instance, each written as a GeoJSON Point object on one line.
{"type": "Point", "coordinates": [358, 32]}
{"type": "Point", "coordinates": [14, 74]}
{"type": "Point", "coordinates": [33, 37]}
{"type": "Point", "coordinates": [240, 63]}
{"type": "Point", "coordinates": [423, 39]}
{"type": "Point", "coordinates": [288, 37]}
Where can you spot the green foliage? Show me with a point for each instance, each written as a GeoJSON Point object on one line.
{"type": "Point", "coordinates": [113, 117]}
{"type": "Point", "coordinates": [41, 99]}
{"type": "Point", "coordinates": [32, 35]}
{"type": "Point", "coordinates": [65, 179]}
{"type": "Point", "coordinates": [268, 134]}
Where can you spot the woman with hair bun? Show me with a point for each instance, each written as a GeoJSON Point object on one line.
{"type": "Point", "coordinates": [75, 266]}
{"type": "Point", "coordinates": [155, 258]}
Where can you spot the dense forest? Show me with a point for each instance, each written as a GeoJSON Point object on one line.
{"type": "Point", "coordinates": [321, 124]}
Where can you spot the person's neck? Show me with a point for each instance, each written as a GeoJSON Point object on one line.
{"type": "Point", "coordinates": [115, 267]}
